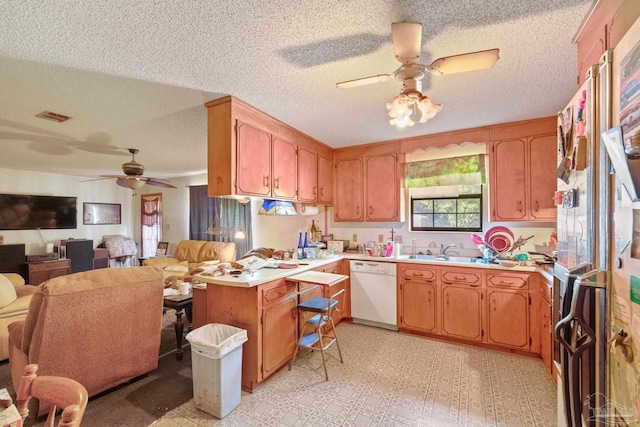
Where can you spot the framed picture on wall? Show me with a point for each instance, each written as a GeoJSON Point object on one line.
{"type": "Point", "coordinates": [162, 248]}
{"type": "Point", "coordinates": [101, 213]}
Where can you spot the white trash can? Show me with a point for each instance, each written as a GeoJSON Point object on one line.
{"type": "Point", "coordinates": [216, 360]}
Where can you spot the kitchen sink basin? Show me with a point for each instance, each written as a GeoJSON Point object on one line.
{"type": "Point", "coordinates": [461, 259]}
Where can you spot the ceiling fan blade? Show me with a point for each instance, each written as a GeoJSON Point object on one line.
{"type": "Point", "coordinates": [96, 179]}
{"type": "Point", "coordinates": [407, 41]}
{"type": "Point", "coordinates": [159, 183]}
{"type": "Point", "coordinates": [363, 81]}
{"type": "Point", "coordinates": [462, 63]}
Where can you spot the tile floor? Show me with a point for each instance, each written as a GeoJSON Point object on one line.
{"type": "Point", "coordinates": [390, 379]}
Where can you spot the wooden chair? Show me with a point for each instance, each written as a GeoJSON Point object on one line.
{"type": "Point", "coordinates": [60, 392]}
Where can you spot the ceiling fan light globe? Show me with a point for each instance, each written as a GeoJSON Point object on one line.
{"type": "Point", "coordinates": [134, 183]}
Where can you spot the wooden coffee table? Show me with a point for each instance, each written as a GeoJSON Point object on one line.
{"type": "Point", "coordinates": [179, 303]}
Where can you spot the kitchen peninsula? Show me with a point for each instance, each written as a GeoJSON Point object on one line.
{"type": "Point", "coordinates": [483, 304]}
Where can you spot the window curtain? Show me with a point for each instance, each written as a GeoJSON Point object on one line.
{"type": "Point", "coordinates": [151, 223]}
{"type": "Point", "coordinates": [466, 170]}
{"type": "Point", "coordinates": [223, 217]}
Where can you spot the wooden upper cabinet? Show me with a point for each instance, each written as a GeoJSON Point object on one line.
{"type": "Point", "coordinates": [307, 175]}
{"type": "Point", "coordinates": [604, 26]}
{"type": "Point", "coordinates": [349, 198]}
{"type": "Point", "coordinates": [383, 192]}
{"type": "Point", "coordinates": [253, 154]}
{"type": "Point", "coordinates": [254, 160]}
{"type": "Point", "coordinates": [508, 189]}
{"type": "Point", "coordinates": [325, 180]}
{"type": "Point", "coordinates": [522, 169]}
{"type": "Point", "coordinates": [543, 181]}
{"type": "Point", "coordinates": [283, 180]}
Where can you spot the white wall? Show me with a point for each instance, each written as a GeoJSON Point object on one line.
{"type": "Point", "coordinates": [175, 209]}
{"type": "Point", "coordinates": [34, 183]}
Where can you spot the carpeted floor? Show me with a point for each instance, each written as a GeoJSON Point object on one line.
{"type": "Point", "coordinates": [143, 400]}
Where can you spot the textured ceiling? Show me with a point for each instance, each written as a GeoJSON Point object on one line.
{"type": "Point", "coordinates": [136, 74]}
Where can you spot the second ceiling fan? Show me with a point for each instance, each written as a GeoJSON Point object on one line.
{"type": "Point", "coordinates": [407, 46]}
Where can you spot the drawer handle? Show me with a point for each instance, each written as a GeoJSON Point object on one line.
{"type": "Point", "coordinates": [314, 191]}
{"type": "Point", "coordinates": [447, 298]}
{"type": "Point", "coordinates": [429, 297]}
{"type": "Point", "coordinates": [495, 308]}
{"type": "Point", "coordinates": [460, 278]}
{"type": "Point", "coordinates": [265, 180]}
{"type": "Point", "coordinates": [370, 210]}
{"type": "Point", "coordinates": [322, 191]}
{"type": "Point", "coordinates": [537, 206]}
{"type": "Point", "coordinates": [519, 205]}
{"type": "Point", "coordinates": [507, 282]}
{"type": "Point", "coordinates": [276, 184]}
{"type": "Point", "coordinates": [474, 285]}
{"type": "Point", "coordinates": [418, 274]}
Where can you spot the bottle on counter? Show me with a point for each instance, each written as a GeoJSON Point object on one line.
{"type": "Point", "coordinates": [300, 247]}
{"type": "Point", "coordinates": [305, 246]}
{"type": "Point", "coordinates": [314, 229]}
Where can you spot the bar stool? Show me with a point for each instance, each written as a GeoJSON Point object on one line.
{"type": "Point", "coordinates": [323, 334]}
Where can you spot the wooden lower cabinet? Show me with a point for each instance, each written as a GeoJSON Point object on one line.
{"type": "Point", "coordinates": [492, 307]}
{"type": "Point", "coordinates": [279, 334]}
{"type": "Point", "coordinates": [268, 313]}
{"type": "Point", "coordinates": [508, 318]}
{"type": "Point", "coordinates": [417, 298]}
{"type": "Point", "coordinates": [546, 325]}
{"type": "Point", "coordinates": [462, 312]}
{"type": "Point", "coordinates": [418, 306]}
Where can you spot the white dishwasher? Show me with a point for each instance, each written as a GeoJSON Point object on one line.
{"type": "Point", "coordinates": [373, 294]}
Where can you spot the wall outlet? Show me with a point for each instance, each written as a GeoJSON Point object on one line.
{"type": "Point", "coordinates": [380, 238]}
{"type": "Point", "coordinates": [355, 238]}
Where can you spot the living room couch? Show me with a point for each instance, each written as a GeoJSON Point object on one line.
{"type": "Point", "coordinates": [15, 297]}
{"type": "Point", "coordinates": [101, 328]}
{"type": "Point", "coordinates": [193, 256]}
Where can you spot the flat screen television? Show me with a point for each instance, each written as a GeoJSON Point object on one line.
{"type": "Point", "coordinates": [25, 212]}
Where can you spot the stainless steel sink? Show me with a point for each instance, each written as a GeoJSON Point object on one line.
{"type": "Point", "coordinates": [461, 259]}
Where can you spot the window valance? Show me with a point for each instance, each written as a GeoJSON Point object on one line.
{"type": "Point", "coordinates": [465, 170]}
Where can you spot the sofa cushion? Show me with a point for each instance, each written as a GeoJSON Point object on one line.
{"type": "Point", "coordinates": [7, 291]}
{"type": "Point", "coordinates": [188, 250]}
{"type": "Point", "coordinates": [225, 252]}
{"type": "Point", "coordinates": [180, 267]}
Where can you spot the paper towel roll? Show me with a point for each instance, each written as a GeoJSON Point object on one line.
{"type": "Point", "coordinates": [308, 210]}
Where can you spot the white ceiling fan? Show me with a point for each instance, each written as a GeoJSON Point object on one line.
{"type": "Point", "coordinates": [407, 45]}
{"type": "Point", "coordinates": [133, 172]}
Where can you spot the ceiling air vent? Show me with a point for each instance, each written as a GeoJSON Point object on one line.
{"type": "Point", "coordinates": [48, 115]}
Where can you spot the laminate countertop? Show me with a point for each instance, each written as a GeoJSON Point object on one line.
{"type": "Point", "coordinates": [264, 275]}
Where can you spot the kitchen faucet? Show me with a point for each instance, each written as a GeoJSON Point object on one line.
{"type": "Point", "coordinates": [443, 248]}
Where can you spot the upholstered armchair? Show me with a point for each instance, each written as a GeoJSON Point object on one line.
{"type": "Point", "coordinates": [101, 328]}
{"type": "Point", "coordinates": [14, 304]}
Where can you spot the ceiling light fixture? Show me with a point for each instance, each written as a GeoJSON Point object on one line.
{"type": "Point", "coordinates": [404, 108]}
{"type": "Point", "coordinates": [240, 234]}
{"type": "Point", "coordinates": [276, 207]}
{"type": "Point", "coordinates": [133, 183]}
